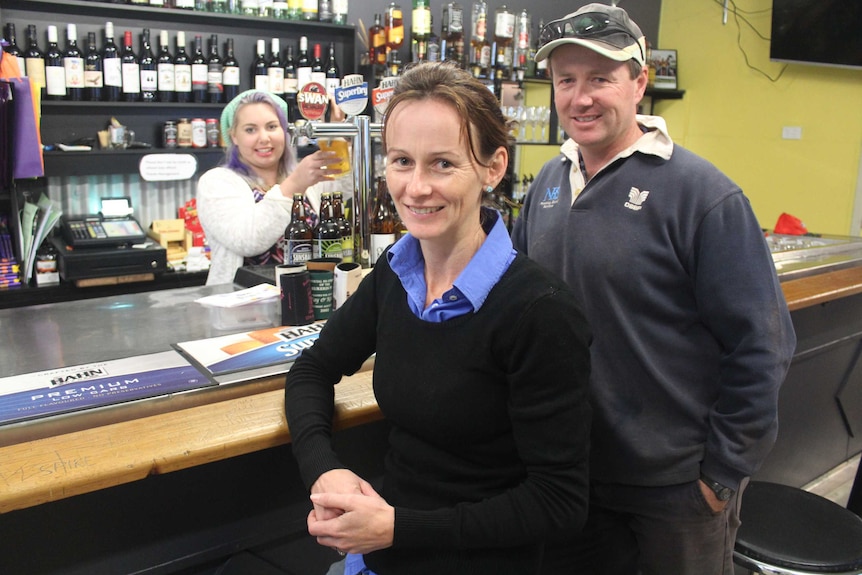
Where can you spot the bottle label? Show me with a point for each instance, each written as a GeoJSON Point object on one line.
{"type": "Point", "coordinates": [55, 76]}
{"type": "Point", "coordinates": [261, 83]}
{"type": "Point", "coordinates": [328, 248]}
{"type": "Point", "coordinates": [166, 77]}
{"type": "Point", "coordinates": [93, 78]}
{"type": "Point", "coordinates": [74, 70]}
{"type": "Point", "coordinates": [149, 80]}
{"type": "Point", "coordinates": [291, 85]}
{"type": "Point", "coordinates": [113, 72]}
{"type": "Point", "coordinates": [276, 80]}
{"type": "Point", "coordinates": [199, 75]}
{"type": "Point", "coordinates": [379, 242]}
{"type": "Point", "coordinates": [36, 71]}
{"type": "Point", "coordinates": [456, 20]}
{"type": "Point", "coordinates": [298, 251]}
{"type": "Point", "coordinates": [505, 25]}
{"type": "Point", "coordinates": [183, 78]}
{"type": "Point", "coordinates": [131, 79]}
{"type": "Point", "coordinates": [421, 21]}
{"type": "Point", "coordinates": [230, 76]}
{"type": "Point", "coordinates": [347, 248]}
{"type": "Point", "coordinates": [485, 56]}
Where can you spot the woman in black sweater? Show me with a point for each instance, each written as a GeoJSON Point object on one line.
{"type": "Point", "coordinates": [481, 364]}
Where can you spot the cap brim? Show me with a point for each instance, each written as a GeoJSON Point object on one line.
{"type": "Point", "coordinates": [603, 48]}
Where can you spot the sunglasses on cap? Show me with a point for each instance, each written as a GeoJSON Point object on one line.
{"type": "Point", "coordinates": [592, 25]}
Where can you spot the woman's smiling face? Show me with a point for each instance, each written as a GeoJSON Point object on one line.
{"type": "Point", "coordinates": [259, 137]}
{"type": "Point", "coordinates": [434, 180]}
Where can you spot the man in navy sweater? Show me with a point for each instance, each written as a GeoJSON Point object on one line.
{"type": "Point", "coordinates": [692, 334]}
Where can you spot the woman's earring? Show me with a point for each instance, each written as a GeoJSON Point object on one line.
{"type": "Point", "coordinates": [488, 189]}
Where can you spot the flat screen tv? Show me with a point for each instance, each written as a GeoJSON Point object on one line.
{"type": "Point", "coordinates": [824, 32]}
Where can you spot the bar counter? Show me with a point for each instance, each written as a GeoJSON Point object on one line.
{"type": "Point", "coordinates": [45, 461]}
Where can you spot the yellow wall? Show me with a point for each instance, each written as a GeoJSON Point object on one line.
{"type": "Point", "coordinates": [733, 116]}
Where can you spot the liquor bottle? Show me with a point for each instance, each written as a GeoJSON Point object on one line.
{"type": "Point", "coordinates": [111, 65]}
{"type": "Point", "coordinates": [504, 33]}
{"type": "Point", "coordinates": [34, 59]}
{"type": "Point", "coordinates": [294, 9]}
{"type": "Point", "coordinates": [13, 50]}
{"type": "Point", "coordinates": [393, 24]}
{"type": "Point", "coordinates": [94, 77]}
{"type": "Point", "coordinates": [215, 73]}
{"type": "Point", "coordinates": [522, 47]}
{"type": "Point", "coordinates": [480, 49]}
{"type": "Point", "coordinates": [259, 78]}
{"type": "Point", "coordinates": [165, 70]}
{"type": "Point", "coordinates": [339, 12]}
{"type": "Point", "coordinates": [377, 41]}
{"type": "Point", "coordinates": [333, 74]}
{"type": "Point", "coordinates": [324, 10]}
{"type": "Point", "coordinates": [231, 73]}
{"type": "Point", "coordinates": [452, 32]}
{"type": "Point", "coordinates": [279, 10]}
{"type": "Point", "coordinates": [381, 226]}
{"type": "Point", "coordinates": [73, 65]}
{"type": "Point", "coordinates": [218, 6]}
{"type": "Point", "coordinates": [290, 80]}
{"type": "Point", "coordinates": [420, 30]}
{"type": "Point", "coordinates": [199, 72]}
{"type": "Point", "coordinates": [327, 237]}
{"type": "Point", "coordinates": [298, 234]}
{"type": "Point", "coordinates": [433, 44]}
{"type": "Point", "coordinates": [250, 7]}
{"type": "Point", "coordinates": [131, 70]}
{"type": "Point", "coordinates": [344, 228]}
{"type": "Point", "coordinates": [309, 10]}
{"type": "Point", "coordinates": [264, 8]}
{"type": "Point", "coordinates": [303, 64]}
{"type": "Point", "coordinates": [185, 4]}
{"type": "Point", "coordinates": [541, 67]}
{"type": "Point", "coordinates": [55, 74]}
{"type": "Point", "coordinates": [148, 69]}
{"type": "Point", "coordinates": [182, 70]}
{"type": "Point", "coordinates": [275, 69]}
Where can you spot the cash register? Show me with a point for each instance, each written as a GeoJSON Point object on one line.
{"type": "Point", "coordinates": [108, 247]}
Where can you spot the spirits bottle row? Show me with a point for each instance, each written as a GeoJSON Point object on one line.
{"type": "Point", "coordinates": [334, 11]}
{"type": "Point", "coordinates": [500, 45]}
{"type": "Point", "coordinates": [151, 74]}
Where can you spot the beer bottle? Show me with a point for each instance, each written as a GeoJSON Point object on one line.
{"type": "Point", "coordinates": [381, 226]}
{"type": "Point", "coordinates": [298, 235]}
{"type": "Point", "coordinates": [343, 227]}
{"type": "Point", "coordinates": [327, 237]}
{"type": "Point", "coordinates": [398, 227]}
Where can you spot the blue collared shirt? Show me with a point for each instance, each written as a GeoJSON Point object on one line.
{"type": "Point", "coordinates": [470, 288]}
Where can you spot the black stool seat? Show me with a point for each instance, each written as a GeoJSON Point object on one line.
{"type": "Point", "coordinates": [791, 528]}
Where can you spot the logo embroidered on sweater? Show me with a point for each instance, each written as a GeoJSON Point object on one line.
{"type": "Point", "coordinates": [636, 199]}
{"type": "Point", "coordinates": [551, 197]}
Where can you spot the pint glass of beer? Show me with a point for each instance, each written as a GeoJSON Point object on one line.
{"type": "Point", "coordinates": [340, 147]}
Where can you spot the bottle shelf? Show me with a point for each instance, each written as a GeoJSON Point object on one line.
{"type": "Point", "coordinates": [96, 162]}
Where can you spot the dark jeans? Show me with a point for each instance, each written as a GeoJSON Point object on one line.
{"type": "Point", "coordinates": [634, 530]}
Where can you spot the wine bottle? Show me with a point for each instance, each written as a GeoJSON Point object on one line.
{"type": "Point", "coordinates": [420, 30]}
{"type": "Point", "coordinates": [148, 69]}
{"type": "Point", "coordinates": [290, 80]}
{"type": "Point", "coordinates": [131, 70]}
{"type": "Point", "coordinates": [318, 74]}
{"type": "Point", "coordinates": [73, 65]}
{"type": "Point", "coordinates": [55, 74]}
{"type": "Point", "coordinates": [165, 69]}
{"type": "Point", "coordinates": [94, 76]}
{"type": "Point", "coordinates": [182, 70]}
{"type": "Point", "coordinates": [275, 69]}
{"type": "Point", "coordinates": [34, 59]}
{"type": "Point", "coordinates": [333, 74]}
{"type": "Point", "coordinates": [260, 79]}
{"type": "Point", "coordinates": [199, 72]}
{"type": "Point", "coordinates": [303, 64]}
{"type": "Point", "coordinates": [231, 73]}
{"type": "Point", "coordinates": [215, 73]}
{"type": "Point", "coordinates": [13, 50]}
{"type": "Point", "coordinates": [112, 66]}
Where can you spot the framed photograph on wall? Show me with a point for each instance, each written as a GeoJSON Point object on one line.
{"type": "Point", "coordinates": [665, 64]}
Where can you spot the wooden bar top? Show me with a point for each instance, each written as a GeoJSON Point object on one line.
{"type": "Point", "coordinates": [65, 464]}
{"type": "Point", "coordinates": [52, 468]}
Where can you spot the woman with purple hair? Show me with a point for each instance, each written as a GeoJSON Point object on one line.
{"type": "Point", "coordinates": [245, 203]}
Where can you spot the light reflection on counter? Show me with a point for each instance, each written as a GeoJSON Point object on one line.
{"type": "Point", "coordinates": [801, 256]}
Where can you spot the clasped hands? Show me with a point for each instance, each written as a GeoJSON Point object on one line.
{"type": "Point", "coordinates": [349, 515]}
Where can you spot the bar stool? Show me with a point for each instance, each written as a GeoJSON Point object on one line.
{"type": "Point", "coordinates": [789, 531]}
